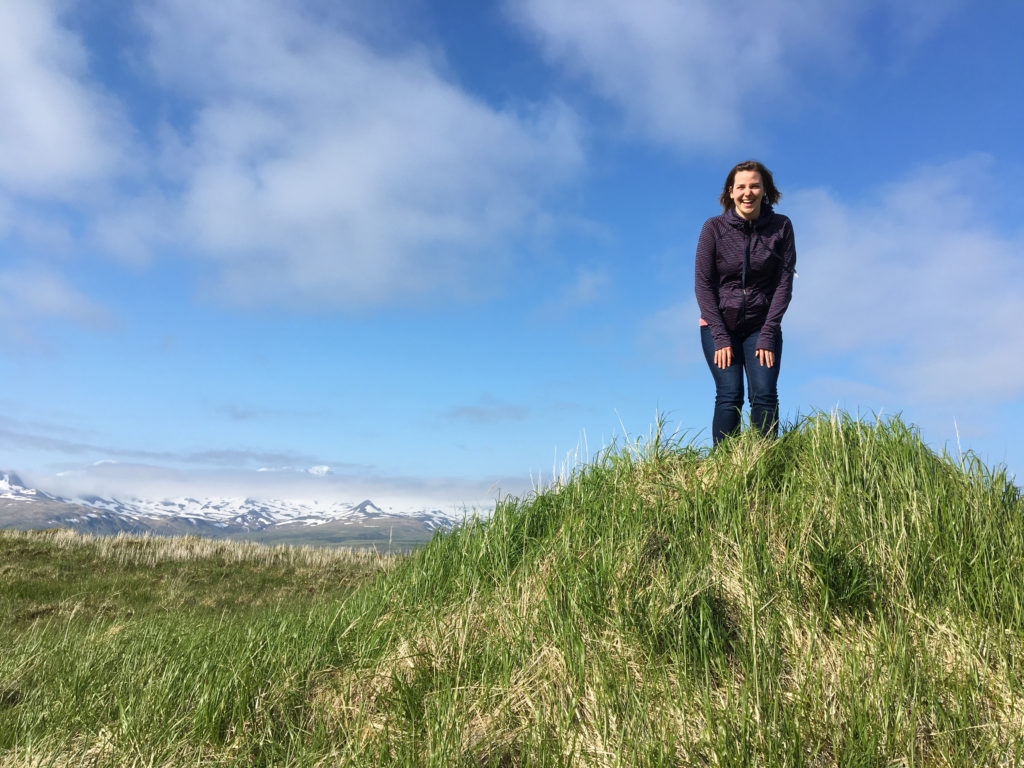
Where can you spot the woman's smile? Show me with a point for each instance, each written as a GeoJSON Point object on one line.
{"type": "Point", "coordinates": [747, 193]}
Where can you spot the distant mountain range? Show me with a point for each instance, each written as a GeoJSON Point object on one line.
{"type": "Point", "coordinates": [270, 521]}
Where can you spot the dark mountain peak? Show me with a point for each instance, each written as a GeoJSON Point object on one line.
{"type": "Point", "coordinates": [13, 481]}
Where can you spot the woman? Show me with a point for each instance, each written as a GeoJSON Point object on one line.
{"type": "Point", "coordinates": [744, 281]}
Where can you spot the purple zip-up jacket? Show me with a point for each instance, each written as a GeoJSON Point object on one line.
{"type": "Point", "coordinates": [734, 301]}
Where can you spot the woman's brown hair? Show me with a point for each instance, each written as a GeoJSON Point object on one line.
{"type": "Point", "coordinates": [771, 192]}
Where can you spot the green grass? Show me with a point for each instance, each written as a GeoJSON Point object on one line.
{"type": "Point", "coordinates": [392, 535]}
{"type": "Point", "coordinates": [840, 596]}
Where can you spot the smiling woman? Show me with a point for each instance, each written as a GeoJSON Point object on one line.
{"type": "Point", "coordinates": [746, 259]}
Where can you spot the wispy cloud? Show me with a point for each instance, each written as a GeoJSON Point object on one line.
{"type": "Point", "coordinates": [233, 457]}
{"type": "Point", "coordinates": [584, 289]}
{"type": "Point", "coordinates": [692, 75]}
{"type": "Point", "coordinates": [487, 411]}
{"type": "Point", "coordinates": [30, 295]}
{"type": "Point", "coordinates": [670, 336]}
{"type": "Point", "coordinates": [588, 287]}
{"type": "Point", "coordinates": [244, 413]}
{"type": "Point", "coordinates": [15, 436]}
{"type": "Point", "coordinates": [25, 437]}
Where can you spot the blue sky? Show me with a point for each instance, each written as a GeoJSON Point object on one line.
{"type": "Point", "coordinates": [444, 249]}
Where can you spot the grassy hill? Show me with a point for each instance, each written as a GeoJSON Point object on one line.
{"type": "Point", "coordinates": [841, 596]}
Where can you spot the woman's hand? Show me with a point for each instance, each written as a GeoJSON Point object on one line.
{"type": "Point", "coordinates": [766, 356]}
{"type": "Point", "coordinates": [723, 357]}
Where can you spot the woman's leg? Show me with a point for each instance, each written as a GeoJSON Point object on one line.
{"type": "Point", "coordinates": [762, 382]}
{"type": "Point", "coordinates": [728, 388]}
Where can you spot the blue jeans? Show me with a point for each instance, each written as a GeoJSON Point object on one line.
{"type": "Point", "coordinates": [761, 381]}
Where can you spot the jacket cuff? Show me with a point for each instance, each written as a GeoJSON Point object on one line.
{"type": "Point", "coordinates": [766, 340]}
{"type": "Point", "coordinates": [722, 340]}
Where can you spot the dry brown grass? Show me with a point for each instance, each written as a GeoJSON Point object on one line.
{"type": "Point", "coordinates": [126, 549]}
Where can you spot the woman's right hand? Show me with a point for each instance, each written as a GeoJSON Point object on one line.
{"type": "Point", "coordinates": [723, 357]}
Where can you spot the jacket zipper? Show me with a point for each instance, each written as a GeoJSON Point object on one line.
{"type": "Point", "coordinates": [749, 231]}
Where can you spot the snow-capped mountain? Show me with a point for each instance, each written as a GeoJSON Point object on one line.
{"type": "Point", "coordinates": [11, 487]}
{"type": "Point", "coordinates": [254, 514]}
{"type": "Point", "coordinates": [21, 506]}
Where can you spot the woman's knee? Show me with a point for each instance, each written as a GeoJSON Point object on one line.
{"type": "Point", "coordinates": [729, 390]}
{"type": "Point", "coordinates": [765, 399]}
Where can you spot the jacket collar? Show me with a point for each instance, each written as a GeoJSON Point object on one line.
{"type": "Point", "coordinates": [739, 222]}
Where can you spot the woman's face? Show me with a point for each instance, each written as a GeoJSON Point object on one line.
{"type": "Point", "coordinates": [747, 194]}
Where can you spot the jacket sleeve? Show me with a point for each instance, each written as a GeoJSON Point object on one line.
{"type": "Point", "coordinates": [783, 290]}
{"type": "Point", "coordinates": [706, 286]}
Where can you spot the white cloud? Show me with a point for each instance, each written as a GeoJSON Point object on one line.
{"type": "Point", "coordinates": [316, 170]}
{"type": "Point", "coordinates": [701, 73]}
{"type": "Point", "coordinates": [301, 165]}
{"type": "Point", "coordinates": [58, 132]}
{"type": "Point", "coordinates": [920, 284]}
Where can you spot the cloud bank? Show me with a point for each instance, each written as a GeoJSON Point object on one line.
{"type": "Point", "coordinates": [148, 481]}
{"type": "Point", "coordinates": [919, 283]}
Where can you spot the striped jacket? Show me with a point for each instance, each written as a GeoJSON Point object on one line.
{"type": "Point", "coordinates": [744, 275]}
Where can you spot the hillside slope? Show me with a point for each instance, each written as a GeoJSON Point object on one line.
{"type": "Point", "coordinates": [841, 596]}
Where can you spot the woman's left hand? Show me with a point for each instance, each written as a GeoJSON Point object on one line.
{"type": "Point", "coordinates": [766, 356]}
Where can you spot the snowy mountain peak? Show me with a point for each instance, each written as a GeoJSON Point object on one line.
{"type": "Point", "coordinates": [246, 514]}
{"type": "Point", "coordinates": [9, 482]}
{"type": "Point", "coordinates": [13, 487]}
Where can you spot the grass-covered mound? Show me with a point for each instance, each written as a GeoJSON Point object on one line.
{"type": "Point", "coordinates": [841, 596]}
